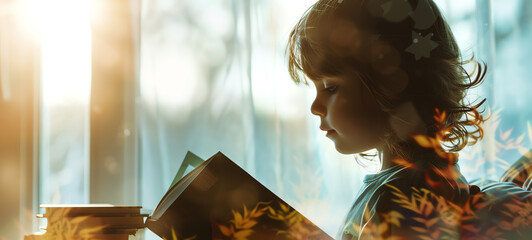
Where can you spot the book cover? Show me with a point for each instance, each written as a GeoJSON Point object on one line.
{"type": "Point", "coordinates": [219, 200]}
{"type": "Point", "coordinates": [72, 210]}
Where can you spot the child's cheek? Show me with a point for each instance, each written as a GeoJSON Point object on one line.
{"type": "Point", "coordinates": [349, 115]}
{"type": "Point", "coordinates": [363, 117]}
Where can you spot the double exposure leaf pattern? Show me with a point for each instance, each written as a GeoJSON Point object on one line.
{"type": "Point", "coordinates": [424, 215]}
{"type": "Point", "coordinates": [296, 222]}
{"type": "Point", "coordinates": [240, 227]}
{"type": "Point", "coordinates": [61, 227]}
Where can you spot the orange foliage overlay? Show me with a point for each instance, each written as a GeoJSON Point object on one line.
{"type": "Point", "coordinates": [448, 221]}
{"type": "Point", "coordinates": [425, 215]}
{"type": "Point", "coordinates": [241, 227]}
{"type": "Point", "coordinates": [242, 224]}
{"type": "Point", "coordinates": [436, 142]}
{"type": "Point", "coordinates": [60, 227]}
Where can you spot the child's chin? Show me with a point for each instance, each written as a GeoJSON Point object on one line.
{"type": "Point", "coordinates": [344, 150]}
{"type": "Point", "coordinates": [350, 150]}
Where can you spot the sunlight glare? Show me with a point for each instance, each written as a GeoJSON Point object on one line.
{"type": "Point", "coordinates": [66, 50]}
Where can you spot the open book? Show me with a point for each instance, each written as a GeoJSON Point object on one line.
{"type": "Point", "coordinates": [219, 200]}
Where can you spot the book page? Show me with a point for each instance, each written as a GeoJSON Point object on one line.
{"type": "Point", "coordinates": [176, 190]}
{"type": "Point", "coordinates": [190, 162]}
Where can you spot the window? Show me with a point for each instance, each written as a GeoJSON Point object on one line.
{"type": "Point", "coordinates": [65, 98]}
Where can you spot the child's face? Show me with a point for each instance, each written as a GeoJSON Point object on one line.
{"type": "Point", "coordinates": [349, 114]}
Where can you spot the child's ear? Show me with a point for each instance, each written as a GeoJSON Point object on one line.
{"type": "Point", "coordinates": [405, 121]}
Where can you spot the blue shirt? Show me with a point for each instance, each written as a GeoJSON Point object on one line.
{"type": "Point", "coordinates": [408, 202]}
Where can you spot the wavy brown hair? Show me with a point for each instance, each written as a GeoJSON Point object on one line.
{"type": "Point", "coordinates": [336, 38]}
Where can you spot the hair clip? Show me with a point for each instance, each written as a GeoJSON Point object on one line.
{"type": "Point", "coordinates": [421, 45]}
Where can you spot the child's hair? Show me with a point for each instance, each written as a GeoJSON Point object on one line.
{"type": "Point", "coordinates": [403, 52]}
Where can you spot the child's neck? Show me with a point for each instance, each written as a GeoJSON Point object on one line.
{"type": "Point", "coordinates": [427, 155]}
{"type": "Point", "coordinates": [387, 159]}
{"type": "Point", "coordinates": [386, 165]}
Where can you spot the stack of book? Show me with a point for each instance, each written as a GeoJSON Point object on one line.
{"type": "Point", "coordinates": [90, 221]}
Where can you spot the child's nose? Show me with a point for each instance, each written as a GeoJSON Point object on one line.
{"type": "Point", "coordinates": [317, 108]}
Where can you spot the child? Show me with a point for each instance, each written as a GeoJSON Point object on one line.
{"type": "Point", "coordinates": [389, 76]}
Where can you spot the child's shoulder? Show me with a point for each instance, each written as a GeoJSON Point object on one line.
{"type": "Point", "coordinates": [410, 207]}
{"type": "Point", "coordinates": [423, 184]}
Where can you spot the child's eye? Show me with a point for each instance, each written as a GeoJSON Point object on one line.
{"type": "Point", "coordinates": [331, 89]}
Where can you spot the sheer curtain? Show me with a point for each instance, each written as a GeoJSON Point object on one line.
{"type": "Point", "coordinates": [498, 33]}
{"type": "Point", "coordinates": [214, 78]}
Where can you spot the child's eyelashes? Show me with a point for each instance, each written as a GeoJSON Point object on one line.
{"type": "Point", "coordinates": [331, 89]}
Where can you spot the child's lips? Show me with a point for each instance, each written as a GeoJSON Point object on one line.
{"type": "Point", "coordinates": [325, 129]}
{"type": "Point", "coordinates": [328, 130]}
